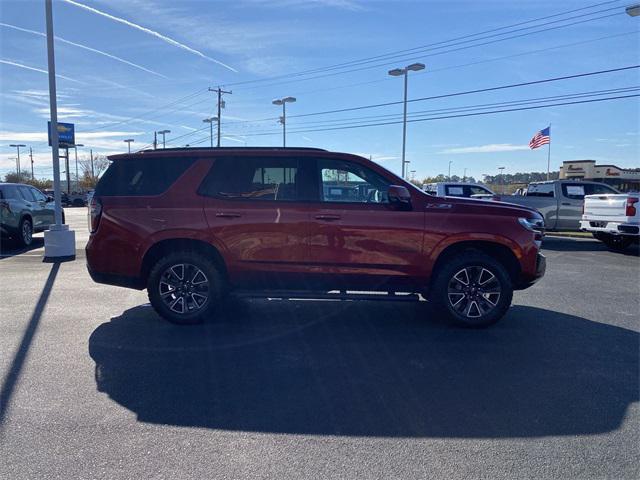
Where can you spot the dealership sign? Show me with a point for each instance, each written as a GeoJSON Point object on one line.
{"type": "Point", "coordinates": [66, 134]}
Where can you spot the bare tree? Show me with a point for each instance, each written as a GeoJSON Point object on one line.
{"type": "Point", "coordinates": [91, 171]}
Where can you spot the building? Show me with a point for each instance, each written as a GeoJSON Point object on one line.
{"type": "Point", "coordinates": [624, 179]}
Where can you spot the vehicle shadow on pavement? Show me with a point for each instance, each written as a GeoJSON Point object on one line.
{"type": "Point", "coordinates": [8, 248]}
{"type": "Point", "coordinates": [590, 245]}
{"type": "Point", "coordinates": [369, 369]}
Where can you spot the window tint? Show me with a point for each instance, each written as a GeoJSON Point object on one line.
{"type": "Point", "coordinates": [253, 179]}
{"type": "Point", "coordinates": [151, 176]}
{"type": "Point", "coordinates": [26, 194]}
{"type": "Point", "coordinates": [10, 192]}
{"type": "Point", "coordinates": [540, 190]}
{"type": "Point", "coordinates": [40, 197]}
{"type": "Point", "coordinates": [350, 182]}
{"type": "Point", "coordinates": [455, 191]}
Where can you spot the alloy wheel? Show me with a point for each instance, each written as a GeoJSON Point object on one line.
{"type": "Point", "coordinates": [184, 288]}
{"type": "Point", "coordinates": [474, 291]}
{"type": "Point", "coordinates": [27, 232]}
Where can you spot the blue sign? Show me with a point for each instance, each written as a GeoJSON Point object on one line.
{"type": "Point", "coordinates": [66, 134]}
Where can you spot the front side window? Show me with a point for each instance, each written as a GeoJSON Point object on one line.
{"type": "Point", "coordinates": [40, 197]}
{"type": "Point", "coordinates": [573, 191]}
{"type": "Point", "coordinates": [274, 179]}
{"type": "Point", "coordinates": [349, 182]}
{"type": "Point", "coordinates": [26, 194]}
{"type": "Point", "coordinates": [455, 191]}
{"type": "Point", "coordinates": [475, 190]}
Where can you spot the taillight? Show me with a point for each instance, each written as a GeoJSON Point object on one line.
{"type": "Point", "coordinates": [95, 212]}
{"type": "Point", "coordinates": [631, 206]}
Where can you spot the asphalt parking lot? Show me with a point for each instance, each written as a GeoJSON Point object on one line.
{"type": "Point", "coordinates": [95, 385]}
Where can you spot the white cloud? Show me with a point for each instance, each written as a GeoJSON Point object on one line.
{"type": "Point", "coordinates": [491, 148]}
{"type": "Point", "coordinates": [164, 38]}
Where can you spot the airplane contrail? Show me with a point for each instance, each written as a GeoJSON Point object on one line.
{"type": "Point", "coordinates": [166, 39]}
{"type": "Point", "coordinates": [20, 65]}
{"type": "Point", "coordinates": [69, 42]}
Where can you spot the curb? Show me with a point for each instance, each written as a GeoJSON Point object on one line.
{"type": "Point", "coordinates": [569, 235]}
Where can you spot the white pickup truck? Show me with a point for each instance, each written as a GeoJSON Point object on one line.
{"type": "Point", "coordinates": [612, 219]}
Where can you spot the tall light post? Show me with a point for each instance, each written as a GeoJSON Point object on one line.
{"type": "Point", "coordinates": [128, 142]}
{"type": "Point", "coordinates": [163, 133]}
{"type": "Point", "coordinates": [210, 121]}
{"type": "Point", "coordinates": [396, 72]}
{"type": "Point", "coordinates": [502, 178]}
{"type": "Point", "coordinates": [464, 176]}
{"type": "Point", "coordinates": [17, 146]}
{"type": "Point", "coordinates": [283, 118]}
{"type": "Point", "coordinates": [75, 148]}
{"type": "Point", "coordinates": [449, 176]}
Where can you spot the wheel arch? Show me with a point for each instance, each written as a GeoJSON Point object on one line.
{"type": "Point", "coordinates": [162, 247]}
{"type": "Point", "coordinates": [496, 250]}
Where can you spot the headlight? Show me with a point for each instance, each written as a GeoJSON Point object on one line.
{"type": "Point", "coordinates": [532, 224]}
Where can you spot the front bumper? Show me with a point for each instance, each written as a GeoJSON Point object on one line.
{"type": "Point", "coordinates": [541, 268]}
{"type": "Point", "coordinates": [613, 228]}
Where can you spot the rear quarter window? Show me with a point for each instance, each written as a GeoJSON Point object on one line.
{"type": "Point", "coordinates": [141, 177]}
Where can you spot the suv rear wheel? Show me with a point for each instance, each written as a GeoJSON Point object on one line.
{"type": "Point", "coordinates": [185, 287]}
{"type": "Point", "coordinates": [472, 290]}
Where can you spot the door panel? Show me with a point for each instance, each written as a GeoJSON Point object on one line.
{"type": "Point", "coordinates": [251, 208]}
{"type": "Point", "coordinates": [46, 208]}
{"type": "Point", "coordinates": [32, 206]}
{"type": "Point", "coordinates": [356, 238]}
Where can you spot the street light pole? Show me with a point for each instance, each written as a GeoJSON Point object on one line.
{"type": "Point", "coordinates": [502, 178]}
{"type": "Point", "coordinates": [283, 119]}
{"type": "Point", "coordinates": [396, 72]}
{"type": "Point", "coordinates": [163, 133]}
{"type": "Point", "coordinates": [17, 146]}
{"type": "Point", "coordinates": [128, 142]}
{"type": "Point", "coordinates": [449, 176]}
{"type": "Point", "coordinates": [210, 121]}
{"type": "Point", "coordinates": [75, 147]}
{"type": "Point", "coordinates": [464, 176]}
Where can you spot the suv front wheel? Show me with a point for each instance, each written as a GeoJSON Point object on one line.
{"type": "Point", "coordinates": [185, 287]}
{"type": "Point", "coordinates": [472, 290]}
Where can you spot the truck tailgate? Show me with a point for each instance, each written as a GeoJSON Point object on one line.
{"type": "Point", "coordinates": [610, 207]}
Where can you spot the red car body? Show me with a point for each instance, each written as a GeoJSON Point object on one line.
{"type": "Point", "coordinates": [303, 244]}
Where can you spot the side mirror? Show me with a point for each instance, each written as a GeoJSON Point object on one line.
{"type": "Point", "coordinates": [399, 197]}
{"type": "Point", "coordinates": [49, 198]}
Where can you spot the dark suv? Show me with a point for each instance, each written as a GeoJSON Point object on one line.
{"type": "Point", "coordinates": [194, 225]}
{"type": "Point", "coordinates": [24, 210]}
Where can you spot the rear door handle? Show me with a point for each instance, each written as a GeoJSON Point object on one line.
{"type": "Point", "coordinates": [328, 218]}
{"type": "Point", "coordinates": [566, 204]}
{"type": "Point", "coordinates": [228, 215]}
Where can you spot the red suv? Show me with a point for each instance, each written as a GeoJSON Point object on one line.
{"type": "Point", "coordinates": [194, 225]}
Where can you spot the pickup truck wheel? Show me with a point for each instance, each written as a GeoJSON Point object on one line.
{"type": "Point", "coordinates": [185, 287]}
{"type": "Point", "coordinates": [472, 290]}
{"type": "Point", "coordinates": [615, 242]}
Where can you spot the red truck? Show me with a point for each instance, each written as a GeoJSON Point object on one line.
{"type": "Point", "coordinates": [196, 225]}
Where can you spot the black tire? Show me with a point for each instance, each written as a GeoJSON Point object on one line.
{"type": "Point", "coordinates": [24, 237]}
{"type": "Point", "coordinates": [165, 288]}
{"type": "Point", "coordinates": [481, 306]}
{"type": "Point", "coordinates": [616, 243]}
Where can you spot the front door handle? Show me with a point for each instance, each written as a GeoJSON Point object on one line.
{"type": "Point", "coordinates": [228, 215]}
{"type": "Point", "coordinates": [328, 218]}
{"type": "Point", "coordinates": [567, 204]}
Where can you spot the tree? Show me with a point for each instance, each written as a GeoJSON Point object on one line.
{"type": "Point", "coordinates": [91, 171]}
{"type": "Point", "coordinates": [26, 179]}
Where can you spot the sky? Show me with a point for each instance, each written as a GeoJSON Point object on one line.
{"type": "Point", "coordinates": [127, 68]}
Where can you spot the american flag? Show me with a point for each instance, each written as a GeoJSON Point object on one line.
{"type": "Point", "coordinates": [541, 138]}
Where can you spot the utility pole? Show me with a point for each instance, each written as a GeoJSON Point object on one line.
{"type": "Point", "coordinates": [155, 140]}
{"type": "Point", "coordinates": [464, 176]}
{"type": "Point", "coordinates": [449, 176]}
{"type": "Point", "coordinates": [31, 158]}
{"type": "Point", "coordinates": [219, 91]}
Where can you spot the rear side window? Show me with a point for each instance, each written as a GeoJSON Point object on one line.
{"type": "Point", "coordinates": [540, 190]}
{"type": "Point", "coordinates": [138, 177]}
{"type": "Point", "coordinates": [274, 179]}
{"type": "Point", "coordinates": [10, 192]}
{"type": "Point", "coordinates": [455, 191]}
{"type": "Point", "coordinates": [595, 189]}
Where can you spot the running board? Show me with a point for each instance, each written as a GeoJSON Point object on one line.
{"type": "Point", "coordinates": [331, 295]}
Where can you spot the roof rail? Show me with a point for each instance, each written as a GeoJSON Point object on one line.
{"type": "Point", "coordinates": [214, 149]}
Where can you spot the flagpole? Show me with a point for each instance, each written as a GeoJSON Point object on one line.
{"type": "Point", "coordinates": [549, 152]}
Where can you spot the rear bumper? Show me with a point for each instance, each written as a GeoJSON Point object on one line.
{"type": "Point", "coordinates": [529, 280]}
{"type": "Point", "coordinates": [613, 228]}
{"type": "Point", "coordinates": [117, 280]}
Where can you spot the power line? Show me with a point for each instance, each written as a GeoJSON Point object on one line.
{"type": "Point", "coordinates": [398, 52]}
